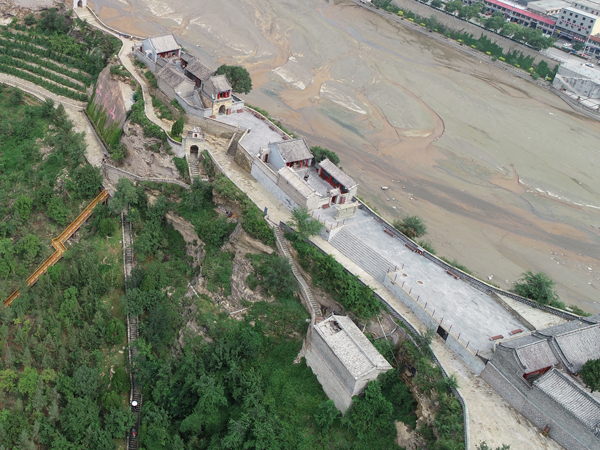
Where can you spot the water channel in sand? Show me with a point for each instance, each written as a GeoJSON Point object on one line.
{"type": "Point", "coordinates": [503, 172]}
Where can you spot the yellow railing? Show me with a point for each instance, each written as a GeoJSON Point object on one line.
{"type": "Point", "coordinates": [59, 245]}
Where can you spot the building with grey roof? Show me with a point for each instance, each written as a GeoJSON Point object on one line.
{"type": "Point", "coordinates": [294, 152]}
{"type": "Point", "coordinates": [537, 374]}
{"type": "Point", "coordinates": [171, 80]}
{"type": "Point", "coordinates": [343, 359]}
{"type": "Point", "coordinates": [301, 183]}
{"type": "Point", "coordinates": [160, 47]}
{"type": "Point", "coordinates": [196, 71]}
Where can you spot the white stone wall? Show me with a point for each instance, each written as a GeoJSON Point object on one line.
{"type": "Point", "coordinates": [264, 179]}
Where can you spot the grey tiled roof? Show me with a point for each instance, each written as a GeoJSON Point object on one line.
{"type": "Point", "coordinates": [164, 43]}
{"type": "Point", "coordinates": [199, 70]}
{"type": "Point", "coordinates": [293, 150]}
{"type": "Point", "coordinates": [351, 346]}
{"type": "Point", "coordinates": [220, 83]}
{"type": "Point", "coordinates": [172, 76]}
{"type": "Point", "coordinates": [579, 346]}
{"type": "Point", "coordinates": [570, 396]}
{"type": "Point", "coordinates": [338, 174]}
{"type": "Point", "coordinates": [535, 356]}
{"type": "Point", "coordinates": [186, 57]}
{"type": "Point", "coordinates": [296, 182]}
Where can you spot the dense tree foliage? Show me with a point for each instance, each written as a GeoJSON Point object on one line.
{"type": "Point", "coordinates": [590, 374]}
{"type": "Point", "coordinates": [411, 226]}
{"type": "Point", "coordinates": [321, 153]}
{"type": "Point", "coordinates": [36, 186]}
{"type": "Point", "coordinates": [304, 223]}
{"type": "Point", "coordinates": [238, 76]}
{"type": "Point", "coordinates": [538, 287]}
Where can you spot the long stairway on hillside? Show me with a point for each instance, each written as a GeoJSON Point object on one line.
{"type": "Point", "coordinates": [135, 396]}
{"type": "Point", "coordinates": [361, 254]}
{"type": "Point", "coordinates": [304, 288]}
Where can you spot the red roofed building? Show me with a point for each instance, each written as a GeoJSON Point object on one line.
{"type": "Point", "coordinates": [518, 14]}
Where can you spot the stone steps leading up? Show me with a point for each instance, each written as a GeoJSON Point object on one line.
{"type": "Point", "coordinates": [307, 293]}
{"type": "Point", "coordinates": [362, 255]}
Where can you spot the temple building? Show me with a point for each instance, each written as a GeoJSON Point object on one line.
{"type": "Point", "coordinates": [157, 47]}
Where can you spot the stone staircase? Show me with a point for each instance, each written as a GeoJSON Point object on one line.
{"type": "Point", "coordinates": [362, 255]}
{"type": "Point", "coordinates": [193, 167]}
{"type": "Point", "coordinates": [315, 308]}
{"type": "Point", "coordinates": [132, 334]}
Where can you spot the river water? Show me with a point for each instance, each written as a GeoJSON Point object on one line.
{"type": "Point", "coordinates": [503, 172]}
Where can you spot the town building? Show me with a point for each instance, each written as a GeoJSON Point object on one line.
{"type": "Point", "coordinates": [343, 359]}
{"type": "Point", "coordinates": [592, 46]}
{"type": "Point", "coordinates": [548, 8]}
{"type": "Point", "coordinates": [537, 375]}
{"type": "Point", "coordinates": [519, 14]}
{"type": "Point", "coordinates": [160, 47]}
{"type": "Point", "coordinates": [577, 23]}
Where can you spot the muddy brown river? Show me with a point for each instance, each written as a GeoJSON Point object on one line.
{"type": "Point", "coordinates": [505, 174]}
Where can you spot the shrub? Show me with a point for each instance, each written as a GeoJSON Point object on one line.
{"type": "Point", "coordinates": [411, 226]}
{"type": "Point", "coordinates": [115, 332]}
{"type": "Point", "coordinates": [57, 211]}
{"type": "Point", "coordinates": [23, 205]}
{"type": "Point", "coordinates": [120, 381]}
{"type": "Point", "coordinates": [538, 287]}
{"type": "Point", "coordinates": [106, 227]}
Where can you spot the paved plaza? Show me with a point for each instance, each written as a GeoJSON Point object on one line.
{"type": "Point", "coordinates": [473, 314]}
{"type": "Point", "coordinates": [260, 134]}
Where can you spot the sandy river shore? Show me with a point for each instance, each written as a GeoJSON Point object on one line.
{"type": "Point", "coordinates": [502, 171]}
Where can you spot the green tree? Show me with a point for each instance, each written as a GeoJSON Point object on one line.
{"type": "Point", "coordinates": [304, 223]}
{"type": "Point", "coordinates": [238, 77]}
{"type": "Point", "coordinates": [510, 29]}
{"type": "Point", "coordinates": [321, 153]}
{"type": "Point", "coordinates": [590, 374]}
{"type": "Point", "coordinates": [79, 414]}
{"type": "Point", "coordinates": [87, 181]}
{"type": "Point", "coordinates": [23, 205]}
{"type": "Point", "coordinates": [27, 381]}
{"type": "Point", "coordinates": [495, 22]}
{"type": "Point", "coordinates": [276, 275]}
{"type": "Point", "coordinates": [177, 127]}
{"type": "Point", "coordinates": [29, 247]}
{"type": "Point", "coordinates": [111, 399]}
{"type": "Point", "coordinates": [118, 421]}
{"type": "Point", "coordinates": [106, 227]}
{"type": "Point", "coordinates": [437, 3]}
{"type": "Point", "coordinates": [29, 19]}
{"type": "Point", "coordinates": [454, 6]}
{"type": "Point", "coordinates": [120, 381]}
{"type": "Point", "coordinates": [538, 287]}
{"type": "Point", "coordinates": [125, 194]}
{"type": "Point", "coordinates": [411, 226]}
{"type": "Point", "coordinates": [57, 210]}
{"type": "Point", "coordinates": [115, 331]}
